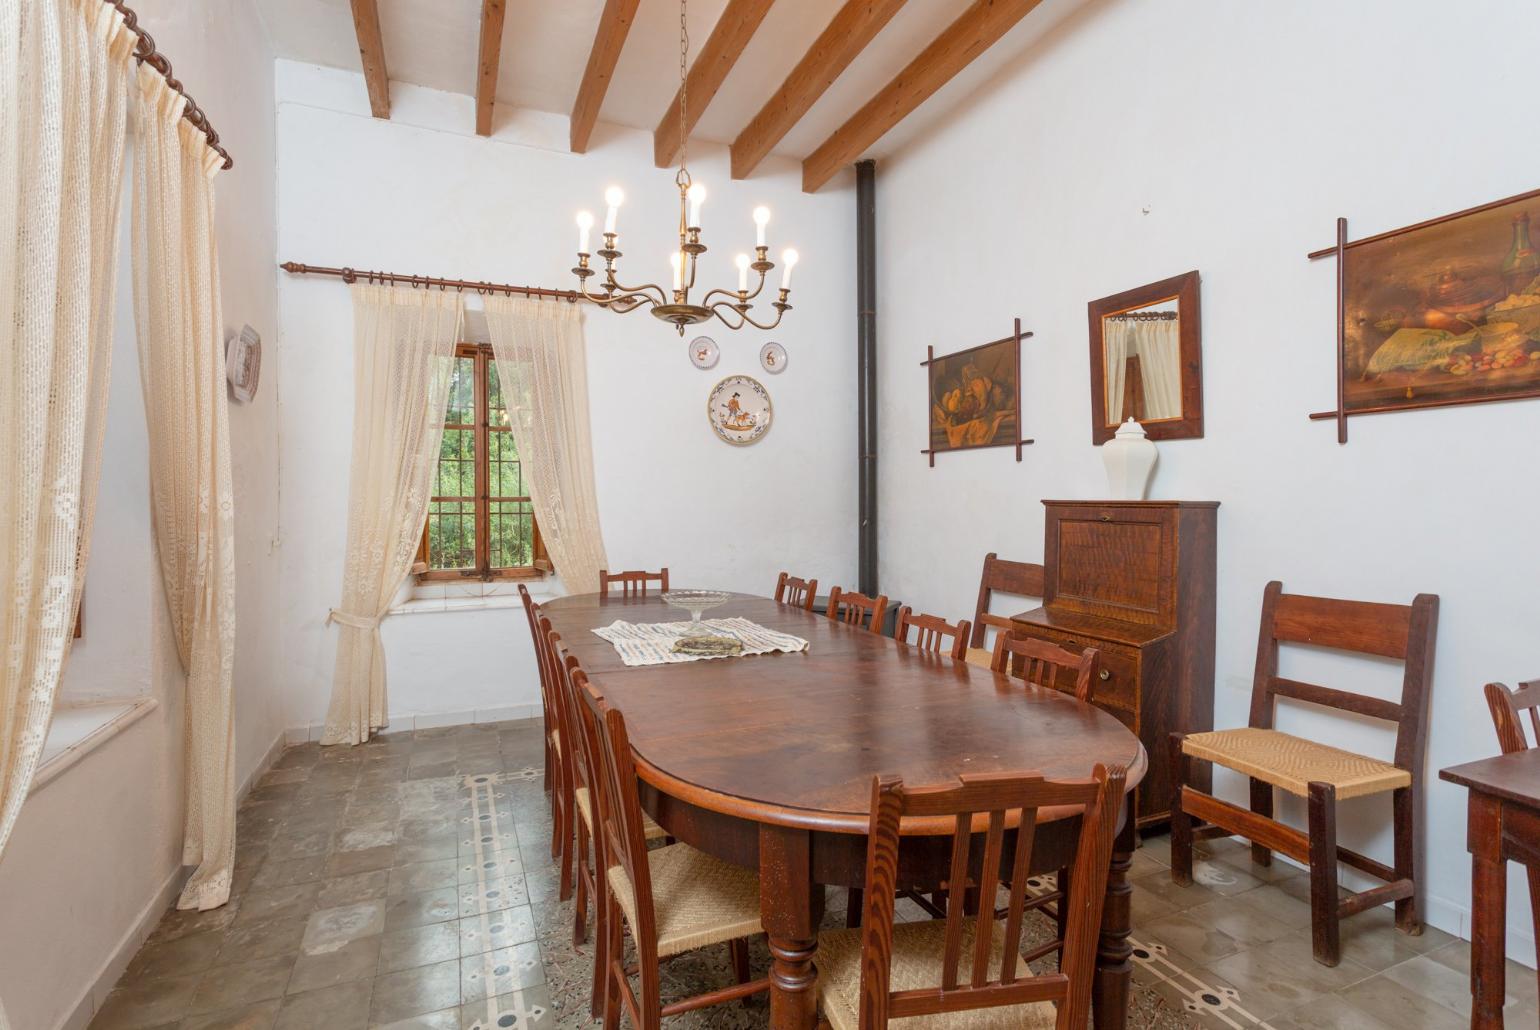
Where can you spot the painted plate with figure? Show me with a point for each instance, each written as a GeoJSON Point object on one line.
{"type": "Point", "coordinates": [739, 410]}
{"type": "Point", "coordinates": [704, 352]}
{"type": "Point", "coordinates": [772, 356]}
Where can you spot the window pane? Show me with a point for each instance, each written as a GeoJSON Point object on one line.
{"type": "Point", "coordinates": [511, 530]}
{"type": "Point", "coordinates": [462, 393]}
{"type": "Point", "coordinates": [451, 534]}
{"type": "Point", "coordinates": [505, 473]}
{"type": "Point", "coordinates": [497, 408]}
{"type": "Point", "coordinates": [457, 464]}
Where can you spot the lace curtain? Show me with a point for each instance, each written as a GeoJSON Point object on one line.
{"type": "Point", "coordinates": [543, 369]}
{"type": "Point", "coordinates": [181, 369]}
{"type": "Point", "coordinates": [404, 341]}
{"type": "Point", "coordinates": [64, 68]}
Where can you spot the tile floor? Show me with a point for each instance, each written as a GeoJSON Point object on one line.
{"type": "Point", "coordinates": [406, 884]}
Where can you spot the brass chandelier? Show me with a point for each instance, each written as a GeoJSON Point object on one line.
{"type": "Point", "coordinates": [675, 305]}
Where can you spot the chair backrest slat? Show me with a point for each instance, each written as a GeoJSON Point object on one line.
{"type": "Point", "coordinates": [633, 584]}
{"type": "Point", "coordinates": [930, 633]}
{"type": "Point", "coordinates": [1507, 707]}
{"type": "Point", "coordinates": [1044, 664]}
{"type": "Point", "coordinates": [856, 609]}
{"type": "Point", "coordinates": [1023, 579]}
{"type": "Point", "coordinates": [791, 590]}
{"type": "Point", "coordinates": [537, 637]}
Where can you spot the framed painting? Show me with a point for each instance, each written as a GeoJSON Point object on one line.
{"type": "Point", "coordinates": [974, 397]}
{"type": "Point", "coordinates": [1443, 312]}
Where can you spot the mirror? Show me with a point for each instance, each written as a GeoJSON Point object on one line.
{"type": "Point", "coordinates": [1146, 362]}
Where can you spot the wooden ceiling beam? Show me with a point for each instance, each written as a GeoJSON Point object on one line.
{"type": "Point", "coordinates": [614, 26]}
{"type": "Point", "coordinates": [739, 20]}
{"type": "Point", "coordinates": [975, 31]}
{"type": "Point", "coordinates": [371, 50]}
{"type": "Point", "coordinates": [488, 60]}
{"type": "Point", "coordinates": [851, 29]}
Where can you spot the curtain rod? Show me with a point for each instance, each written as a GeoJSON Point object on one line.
{"type": "Point", "coordinates": [350, 275]}
{"type": "Point", "coordinates": [1143, 316]}
{"type": "Point", "coordinates": [145, 53]}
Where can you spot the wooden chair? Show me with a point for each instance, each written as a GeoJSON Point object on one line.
{"type": "Point", "coordinates": [553, 781]}
{"type": "Point", "coordinates": [1321, 774]}
{"type": "Point", "coordinates": [1042, 663]}
{"type": "Point", "coordinates": [885, 971]}
{"type": "Point", "coordinates": [852, 608]}
{"type": "Point", "coordinates": [632, 584]}
{"type": "Point", "coordinates": [930, 631]}
{"type": "Point", "coordinates": [674, 899]}
{"type": "Point", "coordinates": [791, 590]}
{"type": "Point", "coordinates": [1506, 706]}
{"type": "Point", "coordinates": [1023, 579]}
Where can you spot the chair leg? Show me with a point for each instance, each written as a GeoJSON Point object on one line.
{"type": "Point", "coordinates": [854, 902]}
{"type": "Point", "coordinates": [1404, 810]}
{"type": "Point", "coordinates": [739, 951]}
{"type": "Point", "coordinates": [1181, 822]}
{"type": "Point", "coordinates": [614, 956]}
{"type": "Point", "coordinates": [568, 817]}
{"type": "Point", "coordinates": [1261, 804]}
{"type": "Point", "coordinates": [584, 877]}
{"type": "Point", "coordinates": [1061, 911]}
{"type": "Point", "coordinates": [1534, 906]}
{"type": "Point", "coordinates": [1324, 911]}
{"type": "Point", "coordinates": [601, 941]}
{"type": "Point", "coordinates": [557, 789]}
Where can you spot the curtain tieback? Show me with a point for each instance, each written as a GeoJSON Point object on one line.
{"type": "Point", "coordinates": [350, 619]}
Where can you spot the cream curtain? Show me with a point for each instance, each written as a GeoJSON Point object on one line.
{"type": "Point", "coordinates": [1115, 347]}
{"type": "Point", "coordinates": [403, 353]}
{"type": "Point", "coordinates": [181, 369]}
{"type": "Point", "coordinates": [543, 370]}
{"type": "Point", "coordinates": [1160, 363]}
{"type": "Point", "coordinates": [64, 75]}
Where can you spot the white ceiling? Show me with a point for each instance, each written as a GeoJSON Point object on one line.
{"type": "Point", "coordinates": [433, 43]}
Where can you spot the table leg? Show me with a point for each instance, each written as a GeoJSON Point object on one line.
{"type": "Point", "coordinates": [1489, 912]}
{"type": "Point", "coordinates": [791, 907]}
{"type": "Point", "coordinates": [1114, 965]}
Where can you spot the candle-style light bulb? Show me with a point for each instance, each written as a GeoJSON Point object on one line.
{"type": "Point", "coordinates": [585, 222]}
{"type": "Point", "coordinates": [789, 260]}
{"type": "Point", "coordinates": [761, 219]}
{"type": "Point", "coordinates": [696, 195]}
{"type": "Point", "coordinates": [742, 261]}
{"type": "Point", "coordinates": [614, 197]}
{"type": "Point", "coordinates": [676, 260]}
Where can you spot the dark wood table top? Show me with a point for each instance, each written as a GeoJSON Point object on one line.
{"type": "Point", "coordinates": [794, 739]}
{"type": "Point", "coordinates": [1514, 777]}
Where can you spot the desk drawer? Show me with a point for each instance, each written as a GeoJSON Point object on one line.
{"type": "Point", "coordinates": [1117, 685]}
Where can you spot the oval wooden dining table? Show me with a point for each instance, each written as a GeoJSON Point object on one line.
{"type": "Point", "coordinates": [767, 761]}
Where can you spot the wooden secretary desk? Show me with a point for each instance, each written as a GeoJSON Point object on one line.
{"type": "Point", "coordinates": [1135, 579]}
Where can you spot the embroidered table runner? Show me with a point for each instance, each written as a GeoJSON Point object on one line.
{"type": "Point", "coordinates": [651, 643]}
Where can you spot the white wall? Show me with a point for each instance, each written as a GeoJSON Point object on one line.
{"type": "Point", "coordinates": [1144, 139]}
{"type": "Point", "coordinates": [420, 193]}
{"type": "Point", "coordinates": [97, 850]}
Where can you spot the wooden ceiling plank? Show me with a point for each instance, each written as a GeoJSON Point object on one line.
{"type": "Point", "coordinates": [975, 31]}
{"type": "Point", "coordinates": [614, 25]}
{"type": "Point", "coordinates": [371, 50]}
{"type": "Point", "coordinates": [737, 25]}
{"type": "Point", "coordinates": [852, 28]}
{"type": "Point", "coordinates": [488, 60]}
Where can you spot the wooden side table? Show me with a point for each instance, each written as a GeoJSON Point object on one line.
{"type": "Point", "coordinates": [1503, 825]}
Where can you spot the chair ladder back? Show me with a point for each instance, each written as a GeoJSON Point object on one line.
{"type": "Point", "coordinates": [931, 631]}
{"type": "Point", "coordinates": [1043, 664]}
{"type": "Point", "coordinates": [995, 801]}
{"type": "Point", "coordinates": [633, 584]}
{"type": "Point", "coordinates": [852, 607]}
{"type": "Point", "coordinates": [1024, 579]}
{"type": "Point", "coordinates": [1507, 707]}
{"type": "Point", "coordinates": [795, 591]}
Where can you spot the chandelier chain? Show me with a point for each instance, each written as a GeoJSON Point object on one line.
{"type": "Point", "coordinates": [683, 178]}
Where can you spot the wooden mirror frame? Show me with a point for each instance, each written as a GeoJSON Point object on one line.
{"type": "Point", "coordinates": [1184, 290]}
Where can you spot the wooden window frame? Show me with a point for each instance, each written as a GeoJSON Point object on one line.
{"type": "Point", "coordinates": [482, 429]}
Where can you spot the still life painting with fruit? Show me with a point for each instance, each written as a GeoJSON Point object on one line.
{"type": "Point", "coordinates": [1445, 314]}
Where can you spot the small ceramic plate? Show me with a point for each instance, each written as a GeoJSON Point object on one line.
{"type": "Point", "coordinates": [772, 357]}
{"type": "Point", "coordinates": [739, 410]}
{"type": "Point", "coordinates": [704, 352]}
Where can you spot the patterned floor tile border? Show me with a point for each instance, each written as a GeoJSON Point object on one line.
{"type": "Point", "coordinates": [1221, 1005]}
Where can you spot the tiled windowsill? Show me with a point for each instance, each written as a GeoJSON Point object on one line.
{"type": "Point", "coordinates": [77, 731]}
{"type": "Point", "coordinates": [471, 596]}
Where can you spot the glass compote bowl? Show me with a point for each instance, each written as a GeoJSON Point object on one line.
{"type": "Point", "coordinates": [696, 602]}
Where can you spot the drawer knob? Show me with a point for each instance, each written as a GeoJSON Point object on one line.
{"type": "Point", "coordinates": [1106, 518]}
{"type": "Point", "coordinates": [1106, 674]}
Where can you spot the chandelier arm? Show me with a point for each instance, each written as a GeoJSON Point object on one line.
{"type": "Point", "coordinates": [744, 316]}
{"type": "Point", "coordinates": [662, 297]}
{"type": "Point", "coordinates": [732, 295]}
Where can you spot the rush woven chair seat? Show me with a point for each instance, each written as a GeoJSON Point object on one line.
{"type": "Point", "coordinates": [1321, 774]}
{"type": "Point", "coordinates": [697, 900]}
{"type": "Point", "coordinates": [1019, 578]}
{"type": "Point", "coordinates": [650, 829]}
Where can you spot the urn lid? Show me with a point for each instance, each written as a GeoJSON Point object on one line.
{"type": "Point", "coordinates": [1130, 430]}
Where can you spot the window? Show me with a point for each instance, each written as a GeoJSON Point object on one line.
{"type": "Point", "coordinates": [480, 521]}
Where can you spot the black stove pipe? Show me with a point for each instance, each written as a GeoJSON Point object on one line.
{"type": "Point", "coordinates": [866, 371]}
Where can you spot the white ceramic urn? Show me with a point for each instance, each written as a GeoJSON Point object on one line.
{"type": "Point", "coordinates": [1130, 458]}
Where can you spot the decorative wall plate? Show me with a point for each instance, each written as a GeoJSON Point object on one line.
{"type": "Point", "coordinates": [772, 357]}
{"type": "Point", "coordinates": [243, 363]}
{"type": "Point", "coordinates": [704, 352]}
{"type": "Point", "coordinates": [739, 410]}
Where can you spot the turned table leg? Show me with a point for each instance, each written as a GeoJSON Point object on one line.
{"type": "Point", "coordinates": [1489, 911]}
{"type": "Point", "coordinates": [1114, 965]}
{"type": "Point", "coordinates": [791, 907]}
